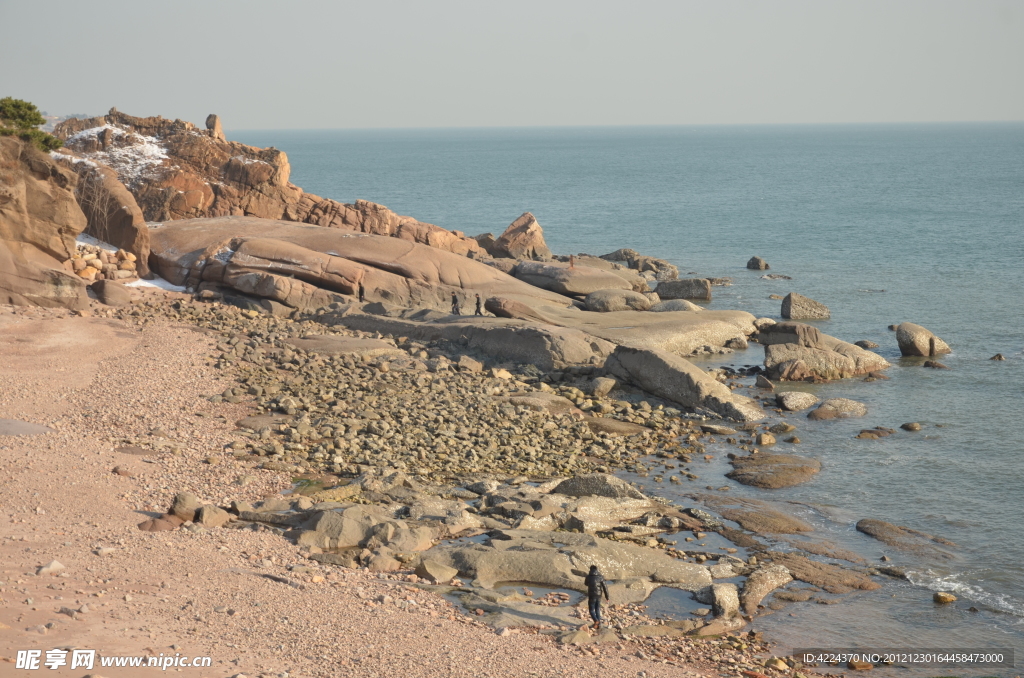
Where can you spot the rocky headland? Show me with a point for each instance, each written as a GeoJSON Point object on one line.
{"type": "Point", "coordinates": [435, 463]}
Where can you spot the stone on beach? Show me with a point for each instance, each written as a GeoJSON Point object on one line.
{"type": "Point", "coordinates": [675, 305]}
{"type": "Point", "coordinates": [797, 351]}
{"type": "Point", "coordinates": [523, 239]}
{"type": "Point", "coordinates": [599, 484]}
{"type": "Point", "coordinates": [604, 301]}
{"type": "Point", "coordinates": [794, 401]}
{"type": "Point", "coordinates": [773, 471]}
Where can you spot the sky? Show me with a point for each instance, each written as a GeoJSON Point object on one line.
{"type": "Point", "coordinates": [263, 64]}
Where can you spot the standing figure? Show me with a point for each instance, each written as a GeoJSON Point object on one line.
{"type": "Point", "coordinates": [361, 291]}
{"type": "Point", "coordinates": [596, 586]}
{"type": "Point", "coordinates": [479, 306]}
{"type": "Point", "coordinates": [455, 305]}
{"type": "Point", "coordinates": [572, 261]}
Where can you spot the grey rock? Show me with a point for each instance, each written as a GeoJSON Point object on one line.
{"type": "Point", "coordinates": [915, 340]}
{"type": "Point", "coordinates": [675, 305]}
{"type": "Point", "coordinates": [798, 307]}
{"type": "Point", "coordinates": [599, 484]}
{"type": "Point", "coordinates": [687, 288]}
{"type": "Point", "coordinates": [838, 408]}
{"type": "Point", "coordinates": [725, 600]}
{"type": "Point", "coordinates": [794, 401]}
{"type": "Point", "coordinates": [757, 264]}
{"type": "Point", "coordinates": [606, 301]}
{"type": "Point", "coordinates": [760, 583]}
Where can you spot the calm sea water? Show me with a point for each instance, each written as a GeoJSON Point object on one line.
{"type": "Point", "coordinates": [883, 224]}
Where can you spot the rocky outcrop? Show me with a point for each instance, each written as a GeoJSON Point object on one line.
{"type": "Point", "coordinates": [915, 340]}
{"type": "Point", "coordinates": [661, 269]}
{"type": "Point", "coordinates": [688, 288]}
{"type": "Point", "coordinates": [307, 267]}
{"type": "Point", "coordinates": [39, 221]}
{"type": "Point", "coordinates": [760, 583]}
{"type": "Point", "coordinates": [798, 307]}
{"type": "Point", "coordinates": [576, 281]}
{"type": "Point", "coordinates": [110, 209]}
{"type": "Point", "coordinates": [523, 239]}
{"type": "Point", "coordinates": [178, 171]}
{"type": "Point", "coordinates": [757, 264]}
{"type": "Point", "coordinates": [799, 352]}
{"type": "Point", "coordinates": [677, 379]}
{"type": "Point", "coordinates": [606, 301]}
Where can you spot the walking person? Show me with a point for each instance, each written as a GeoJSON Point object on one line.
{"type": "Point", "coordinates": [479, 306]}
{"type": "Point", "coordinates": [596, 586]}
{"type": "Point", "coordinates": [455, 305]}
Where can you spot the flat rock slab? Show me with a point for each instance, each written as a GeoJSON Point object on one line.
{"type": "Point", "coordinates": [772, 471]}
{"type": "Point", "coordinates": [14, 427]}
{"type": "Point", "coordinates": [260, 421]}
{"type": "Point", "coordinates": [766, 521]}
{"type": "Point", "coordinates": [614, 426]}
{"type": "Point", "coordinates": [333, 345]}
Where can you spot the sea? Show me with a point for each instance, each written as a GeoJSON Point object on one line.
{"type": "Point", "coordinates": [883, 224]}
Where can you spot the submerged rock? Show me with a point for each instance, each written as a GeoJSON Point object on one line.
{"type": "Point", "coordinates": [772, 471]}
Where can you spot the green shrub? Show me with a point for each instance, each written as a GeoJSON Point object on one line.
{"type": "Point", "coordinates": [20, 118]}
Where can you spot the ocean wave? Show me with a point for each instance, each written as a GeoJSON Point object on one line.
{"type": "Point", "coordinates": [953, 583]}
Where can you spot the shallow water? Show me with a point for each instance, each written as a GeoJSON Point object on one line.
{"type": "Point", "coordinates": [884, 224]}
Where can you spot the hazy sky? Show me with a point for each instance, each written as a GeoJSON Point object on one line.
{"type": "Point", "coordinates": [334, 64]}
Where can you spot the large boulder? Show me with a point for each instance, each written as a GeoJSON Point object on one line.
{"type": "Point", "coordinates": [687, 288]}
{"type": "Point", "coordinates": [39, 221]}
{"type": "Point", "coordinates": [510, 308]}
{"type": "Point", "coordinates": [798, 307]}
{"type": "Point", "coordinates": [523, 239]}
{"type": "Point", "coordinates": [794, 401]}
{"type": "Point", "coordinates": [110, 209]}
{"type": "Point", "coordinates": [575, 281]}
{"type": "Point", "coordinates": [757, 264]}
{"type": "Point", "coordinates": [915, 340]}
{"type": "Point", "coordinates": [674, 378]}
{"type": "Point", "coordinates": [797, 352]}
{"type": "Point", "coordinates": [176, 170]}
{"type": "Point", "coordinates": [605, 301]}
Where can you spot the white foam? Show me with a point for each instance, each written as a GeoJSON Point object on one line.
{"type": "Point", "coordinates": [952, 583]}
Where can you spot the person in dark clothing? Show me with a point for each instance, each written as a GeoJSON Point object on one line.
{"type": "Point", "coordinates": [455, 305]}
{"type": "Point", "coordinates": [479, 306]}
{"type": "Point", "coordinates": [596, 586]}
{"type": "Point", "coordinates": [361, 291]}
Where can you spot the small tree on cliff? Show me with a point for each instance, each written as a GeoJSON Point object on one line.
{"type": "Point", "coordinates": [21, 118]}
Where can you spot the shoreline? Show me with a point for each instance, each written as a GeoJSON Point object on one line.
{"type": "Point", "coordinates": [221, 404]}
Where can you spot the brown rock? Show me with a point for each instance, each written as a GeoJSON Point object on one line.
{"type": "Point", "coordinates": [943, 598]}
{"type": "Point", "coordinates": [798, 307]}
{"type": "Point", "coordinates": [39, 221]}
{"type": "Point", "coordinates": [998, 356]}
{"type": "Point", "coordinates": [915, 340]}
{"type": "Point", "coordinates": [560, 278]}
{"type": "Point", "coordinates": [509, 308]}
{"type": "Point", "coordinates": [799, 352]}
{"type": "Point", "coordinates": [772, 471]}
{"type": "Point", "coordinates": [111, 210]}
{"type": "Point", "coordinates": [831, 578]}
{"type": "Point", "coordinates": [760, 583]}
{"type": "Point", "coordinates": [911, 426]}
{"type": "Point", "coordinates": [935, 365]}
{"type": "Point", "coordinates": [688, 288]}
{"type": "Point", "coordinates": [112, 293]}
{"type": "Point", "coordinates": [639, 262]}
{"type": "Point", "coordinates": [523, 239]}
{"type": "Point", "coordinates": [903, 538]}
{"type": "Point", "coordinates": [177, 171]}
{"type": "Point", "coordinates": [757, 264]}
{"type": "Point", "coordinates": [838, 408]}
{"type": "Point", "coordinates": [185, 506]}
{"type": "Point", "coordinates": [766, 521]}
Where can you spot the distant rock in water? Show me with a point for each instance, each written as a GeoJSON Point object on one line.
{"type": "Point", "coordinates": [915, 340]}
{"type": "Point", "coordinates": [798, 307]}
{"type": "Point", "coordinates": [757, 264]}
{"type": "Point", "coordinates": [838, 408]}
{"type": "Point", "coordinates": [800, 352]}
{"type": "Point", "coordinates": [998, 356]}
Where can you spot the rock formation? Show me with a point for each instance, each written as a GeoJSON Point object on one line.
{"type": "Point", "coordinates": [523, 239]}
{"type": "Point", "coordinates": [605, 301]}
{"type": "Point", "coordinates": [661, 269]}
{"type": "Point", "coordinates": [757, 264]}
{"type": "Point", "coordinates": [178, 171]}
{"type": "Point", "coordinates": [110, 209]}
{"type": "Point", "coordinates": [39, 221]}
{"type": "Point", "coordinates": [798, 307]}
{"type": "Point", "coordinates": [560, 278]}
{"type": "Point", "coordinates": [304, 266]}
{"type": "Point", "coordinates": [799, 352]}
{"type": "Point", "coordinates": [915, 340]}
